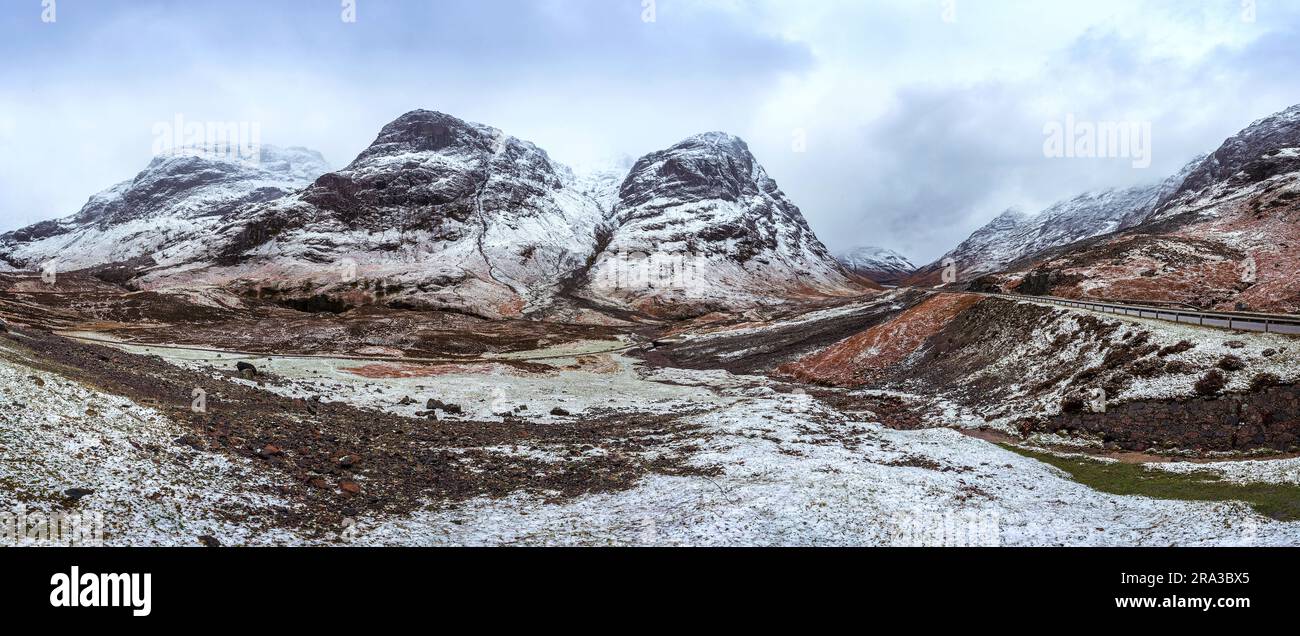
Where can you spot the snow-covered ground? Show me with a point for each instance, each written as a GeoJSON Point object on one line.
{"type": "Point", "coordinates": [793, 470]}
{"type": "Point", "coordinates": [56, 435]}
{"type": "Point", "coordinates": [797, 473]}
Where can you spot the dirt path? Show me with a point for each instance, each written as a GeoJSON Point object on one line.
{"type": "Point", "coordinates": [231, 354]}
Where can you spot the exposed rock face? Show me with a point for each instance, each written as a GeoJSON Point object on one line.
{"type": "Point", "coordinates": [177, 197]}
{"type": "Point", "coordinates": [700, 227]}
{"type": "Point", "coordinates": [441, 213]}
{"type": "Point", "coordinates": [878, 264]}
{"type": "Point", "coordinates": [1262, 150]}
{"type": "Point", "coordinates": [1267, 418]}
{"type": "Point", "coordinates": [437, 212]}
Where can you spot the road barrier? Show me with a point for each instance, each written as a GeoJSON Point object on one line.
{"type": "Point", "coordinates": [1236, 321]}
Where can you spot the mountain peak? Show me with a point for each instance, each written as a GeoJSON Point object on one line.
{"type": "Point", "coordinates": [1251, 153]}
{"type": "Point", "coordinates": [879, 264]}
{"type": "Point", "coordinates": [713, 138]}
{"type": "Point", "coordinates": [424, 131]}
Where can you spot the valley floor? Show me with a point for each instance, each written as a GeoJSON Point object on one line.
{"type": "Point", "coordinates": [685, 457]}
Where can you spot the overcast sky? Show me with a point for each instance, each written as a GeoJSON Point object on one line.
{"type": "Point", "coordinates": [899, 123]}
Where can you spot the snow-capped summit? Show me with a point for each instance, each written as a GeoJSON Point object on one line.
{"type": "Point", "coordinates": [178, 195]}
{"type": "Point", "coordinates": [1266, 148]}
{"type": "Point", "coordinates": [441, 213]}
{"type": "Point", "coordinates": [437, 212]}
{"type": "Point", "coordinates": [700, 226]}
{"type": "Point", "coordinates": [882, 265]}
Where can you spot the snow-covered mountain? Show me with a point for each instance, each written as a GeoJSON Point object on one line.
{"type": "Point", "coordinates": [1225, 238]}
{"type": "Point", "coordinates": [701, 226]}
{"type": "Point", "coordinates": [177, 197]}
{"type": "Point", "coordinates": [882, 265]}
{"type": "Point", "coordinates": [437, 212]}
{"type": "Point", "coordinates": [1014, 235]}
{"type": "Point", "coordinates": [441, 213]}
{"type": "Point", "coordinates": [1267, 148]}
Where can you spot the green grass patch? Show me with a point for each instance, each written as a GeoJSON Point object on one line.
{"type": "Point", "coordinates": [1277, 501]}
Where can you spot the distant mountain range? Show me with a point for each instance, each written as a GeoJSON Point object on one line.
{"type": "Point", "coordinates": [1221, 233]}
{"type": "Point", "coordinates": [440, 213]}
{"type": "Point", "coordinates": [1014, 235]}
{"type": "Point", "coordinates": [882, 265]}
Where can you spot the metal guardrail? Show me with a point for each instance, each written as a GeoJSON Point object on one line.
{"type": "Point", "coordinates": [1236, 321]}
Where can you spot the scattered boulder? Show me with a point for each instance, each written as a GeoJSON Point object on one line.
{"type": "Point", "coordinates": [75, 494]}
{"type": "Point", "coordinates": [439, 405]}
{"type": "Point", "coordinates": [190, 440]}
{"type": "Point", "coordinates": [406, 401]}
{"type": "Point", "coordinates": [346, 461]}
{"type": "Point", "coordinates": [560, 412]}
{"type": "Point", "coordinates": [209, 541]}
{"type": "Point", "coordinates": [1268, 353]}
{"type": "Point", "coordinates": [1235, 344]}
{"type": "Point", "coordinates": [349, 487]}
{"type": "Point", "coordinates": [1211, 383]}
{"type": "Point", "coordinates": [270, 450]}
{"type": "Point", "coordinates": [246, 370]}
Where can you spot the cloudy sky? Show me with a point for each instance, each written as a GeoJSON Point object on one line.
{"type": "Point", "coordinates": [900, 123]}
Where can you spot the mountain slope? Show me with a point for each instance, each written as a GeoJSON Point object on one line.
{"type": "Point", "coordinates": [1225, 239]}
{"type": "Point", "coordinates": [700, 227]}
{"type": "Point", "coordinates": [436, 213]}
{"type": "Point", "coordinates": [1014, 236]}
{"type": "Point", "coordinates": [884, 266]}
{"type": "Point", "coordinates": [178, 196]}
{"type": "Point", "coordinates": [439, 213]}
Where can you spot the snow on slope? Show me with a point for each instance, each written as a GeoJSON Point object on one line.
{"type": "Point", "coordinates": [877, 263]}
{"type": "Point", "coordinates": [700, 227]}
{"type": "Point", "coordinates": [793, 471]}
{"type": "Point", "coordinates": [796, 472]}
{"type": "Point", "coordinates": [1224, 239]}
{"type": "Point", "coordinates": [437, 212]}
{"type": "Point", "coordinates": [1015, 235]}
{"type": "Point", "coordinates": [441, 213]}
{"type": "Point", "coordinates": [1255, 153]}
{"type": "Point", "coordinates": [57, 434]}
{"type": "Point", "coordinates": [178, 196]}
